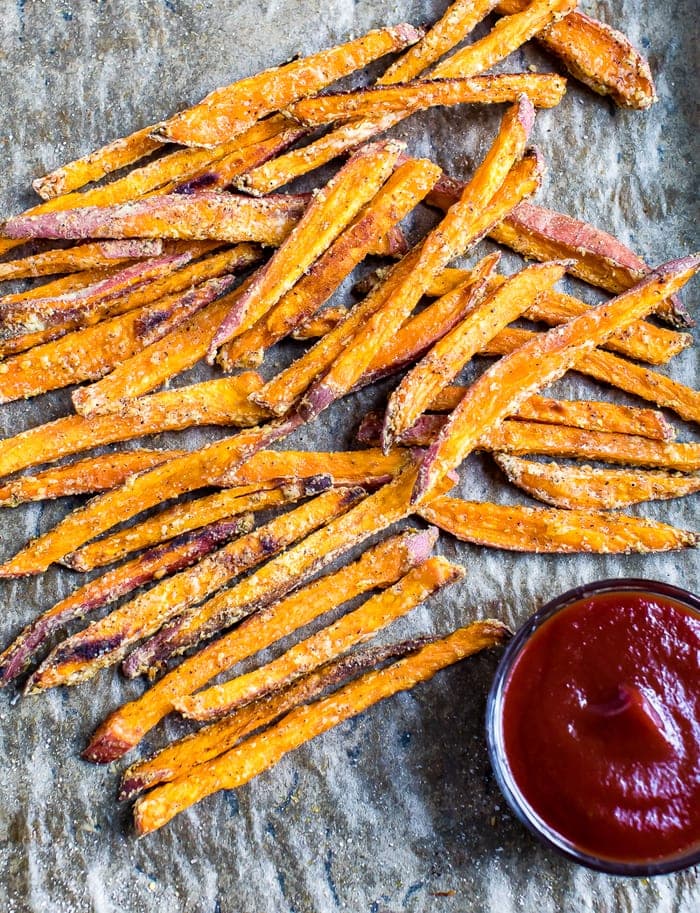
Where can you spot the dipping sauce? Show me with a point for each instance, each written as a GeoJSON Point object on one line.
{"type": "Point", "coordinates": [599, 725]}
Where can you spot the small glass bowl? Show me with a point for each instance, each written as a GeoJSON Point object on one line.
{"type": "Point", "coordinates": [494, 730]}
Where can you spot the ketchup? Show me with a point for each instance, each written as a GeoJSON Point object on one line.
{"type": "Point", "coordinates": [601, 725]}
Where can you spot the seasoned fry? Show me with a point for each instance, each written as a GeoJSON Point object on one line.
{"type": "Point", "coordinates": [178, 758]}
{"type": "Point", "coordinates": [321, 323]}
{"type": "Point", "coordinates": [212, 402]}
{"type": "Point", "coordinates": [152, 565]}
{"type": "Point", "coordinates": [550, 531]}
{"type": "Point", "coordinates": [169, 480]}
{"type": "Point", "coordinates": [600, 57]}
{"type": "Point", "coordinates": [83, 477]}
{"type": "Point", "coordinates": [240, 764]}
{"type": "Point", "coordinates": [378, 567]}
{"type": "Point", "coordinates": [106, 641]}
{"type": "Point", "coordinates": [97, 255]}
{"type": "Point", "coordinates": [589, 488]}
{"type": "Point", "coordinates": [228, 111]}
{"type": "Point", "coordinates": [448, 356]}
{"type": "Point", "coordinates": [354, 628]}
{"type": "Point", "coordinates": [507, 35]}
{"type": "Point", "coordinates": [501, 389]}
{"type": "Point", "coordinates": [399, 195]}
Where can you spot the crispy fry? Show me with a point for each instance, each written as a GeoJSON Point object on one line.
{"type": "Point", "coordinates": [331, 210]}
{"type": "Point", "coordinates": [321, 323]}
{"type": "Point", "coordinates": [228, 111]}
{"type": "Point", "coordinates": [152, 565]}
{"type": "Point", "coordinates": [178, 758]}
{"type": "Point", "coordinates": [400, 194]}
{"type": "Point", "coordinates": [448, 356]}
{"type": "Point", "coordinates": [97, 255]}
{"type": "Point", "coordinates": [589, 488]}
{"type": "Point", "coordinates": [240, 764]}
{"type": "Point", "coordinates": [378, 567]}
{"type": "Point", "coordinates": [106, 641]}
{"type": "Point", "coordinates": [504, 386]}
{"type": "Point", "coordinates": [507, 35]}
{"type": "Point", "coordinates": [212, 402]}
{"type": "Point", "coordinates": [83, 477]}
{"type": "Point", "coordinates": [169, 480]}
{"type": "Point", "coordinates": [550, 531]}
{"type": "Point", "coordinates": [600, 57]}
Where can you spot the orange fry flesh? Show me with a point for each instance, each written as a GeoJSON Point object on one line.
{"type": "Point", "coordinates": [241, 764]}
{"type": "Point", "coordinates": [95, 255]}
{"type": "Point", "coordinates": [590, 488]}
{"type": "Point", "coordinates": [321, 323]}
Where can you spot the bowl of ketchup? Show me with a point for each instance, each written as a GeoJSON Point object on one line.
{"type": "Point", "coordinates": [593, 726]}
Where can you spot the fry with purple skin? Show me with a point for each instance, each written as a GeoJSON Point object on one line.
{"type": "Point", "coordinates": [505, 385]}
{"type": "Point", "coordinates": [152, 565]}
{"type": "Point", "coordinates": [378, 567]}
{"type": "Point", "coordinates": [97, 255]}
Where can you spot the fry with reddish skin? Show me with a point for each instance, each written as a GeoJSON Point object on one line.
{"type": "Point", "coordinates": [202, 216]}
{"type": "Point", "coordinates": [241, 764]}
{"type": "Point", "coordinates": [550, 531]}
{"type": "Point", "coordinates": [212, 402]}
{"type": "Point", "coordinates": [598, 56]}
{"type": "Point", "coordinates": [97, 255]}
{"type": "Point", "coordinates": [356, 627]}
{"type": "Point", "coordinates": [447, 357]}
{"type": "Point", "coordinates": [507, 35]}
{"type": "Point", "coordinates": [228, 111]}
{"type": "Point", "coordinates": [178, 758]}
{"type": "Point", "coordinates": [404, 189]}
{"type": "Point", "coordinates": [84, 477]}
{"type": "Point", "coordinates": [589, 488]}
{"type": "Point", "coordinates": [169, 480]}
{"type": "Point", "coordinates": [181, 518]}
{"type": "Point", "coordinates": [378, 567]}
{"type": "Point", "coordinates": [514, 378]}
{"type": "Point", "coordinates": [106, 641]}
{"type": "Point", "coordinates": [152, 565]}
{"type": "Point", "coordinates": [321, 323]}
{"type": "Point", "coordinates": [331, 210]}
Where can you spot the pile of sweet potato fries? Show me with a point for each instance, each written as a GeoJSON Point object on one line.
{"type": "Point", "coordinates": [150, 285]}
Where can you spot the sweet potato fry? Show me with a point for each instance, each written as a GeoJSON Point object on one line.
{"type": "Point", "coordinates": [169, 480]}
{"type": "Point", "coordinates": [400, 194]}
{"type": "Point", "coordinates": [589, 488]}
{"type": "Point", "coordinates": [97, 255]}
{"type": "Point", "coordinates": [240, 764]}
{"type": "Point", "coordinates": [152, 565]}
{"type": "Point", "coordinates": [551, 531]}
{"type": "Point", "coordinates": [354, 628]}
{"type": "Point", "coordinates": [178, 758]}
{"type": "Point", "coordinates": [331, 210]}
{"type": "Point", "coordinates": [507, 35]}
{"type": "Point", "coordinates": [106, 641]}
{"type": "Point", "coordinates": [378, 567]}
{"type": "Point", "coordinates": [501, 389]}
{"type": "Point", "coordinates": [212, 402]}
{"type": "Point", "coordinates": [321, 323]}
{"type": "Point", "coordinates": [189, 515]}
{"type": "Point", "coordinates": [83, 477]}
{"type": "Point", "coordinates": [598, 56]}
{"type": "Point", "coordinates": [447, 357]}
{"type": "Point", "coordinates": [228, 111]}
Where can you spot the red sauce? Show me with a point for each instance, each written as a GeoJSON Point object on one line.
{"type": "Point", "coordinates": [601, 726]}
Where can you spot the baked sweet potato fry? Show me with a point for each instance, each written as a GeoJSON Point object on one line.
{"type": "Point", "coordinates": [551, 531]}
{"type": "Point", "coordinates": [504, 386]}
{"type": "Point", "coordinates": [598, 56]}
{"type": "Point", "coordinates": [178, 758]}
{"type": "Point", "coordinates": [378, 567]}
{"type": "Point", "coordinates": [331, 210]}
{"type": "Point", "coordinates": [354, 628]}
{"type": "Point", "coordinates": [399, 195]}
{"type": "Point", "coordinates": [96, 255]}
{"type": "Point", "coordinates": [240, 764]}
{"type": "Point", "coordinates": [152, 565]}
{"type": "Point", "coordinates": [321, 323]}
{"type": "Point", "coordinates": [589, 488]}
{"type": "Point", "coordinates": [489, 314]}
{"type": "Point", "coordinates": [106, 641]}
{"type": "Point", "coordinates": [507, 35]}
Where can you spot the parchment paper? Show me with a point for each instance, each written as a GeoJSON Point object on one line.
{"type": "Point", "coordinates": [396, 810]}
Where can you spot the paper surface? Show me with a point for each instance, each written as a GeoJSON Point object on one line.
{"type": "Point", "coordinates": [396, 810]}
